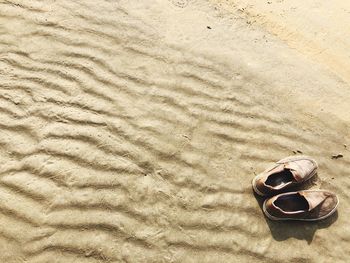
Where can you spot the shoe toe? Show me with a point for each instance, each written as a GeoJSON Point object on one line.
{"type": "Point", "coordinates": [329, 205]}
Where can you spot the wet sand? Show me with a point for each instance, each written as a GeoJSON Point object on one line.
{"type": "Point", "coordinates": [131, 130]}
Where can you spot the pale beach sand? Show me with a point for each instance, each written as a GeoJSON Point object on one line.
{"type": "Point", "coordinates": [131, 130]}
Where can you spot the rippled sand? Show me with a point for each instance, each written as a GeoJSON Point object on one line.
{"type": "Point", "coordinates": [131, 130]}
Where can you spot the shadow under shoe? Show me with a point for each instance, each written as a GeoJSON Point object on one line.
{"type": "Point", "coordinates": [302, 230]}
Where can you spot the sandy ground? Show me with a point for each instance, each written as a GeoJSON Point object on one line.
{"type": "Point", "coordinates": [131, 130]}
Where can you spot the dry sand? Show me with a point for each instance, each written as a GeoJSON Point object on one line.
{"type": "Point", "coordinates": [131, 130]}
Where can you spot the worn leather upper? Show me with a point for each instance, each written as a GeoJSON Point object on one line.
{"type": "Point", "coordinates": [301, 167]}
{"type": "Point", "coordinates": [321, 203]}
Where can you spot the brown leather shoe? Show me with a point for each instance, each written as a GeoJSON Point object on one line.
{"type": "Point", "coordinates": [286, 173]}
{"type": "Point", "coordinates": [308, 205]}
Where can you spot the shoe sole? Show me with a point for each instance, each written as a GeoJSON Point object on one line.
{"type": "Point", "coordinates": [297, 219]}
{"type": "Point", "coordinates": [314, 171]}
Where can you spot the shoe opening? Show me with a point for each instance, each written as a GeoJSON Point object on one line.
{"type": "Point", "coordinates": [280, 178]}
{"type": "Point", "coordinates": [292, 203]}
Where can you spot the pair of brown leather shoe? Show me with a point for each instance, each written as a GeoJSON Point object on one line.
{"type": "Point", "coordinates": [306, 205]}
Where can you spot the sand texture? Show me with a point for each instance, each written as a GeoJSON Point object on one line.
{"type": "Point", "coordinates": [131, 130]}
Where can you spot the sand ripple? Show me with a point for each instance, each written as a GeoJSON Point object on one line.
{"type": "Point", "coordinates": [116, 146]}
